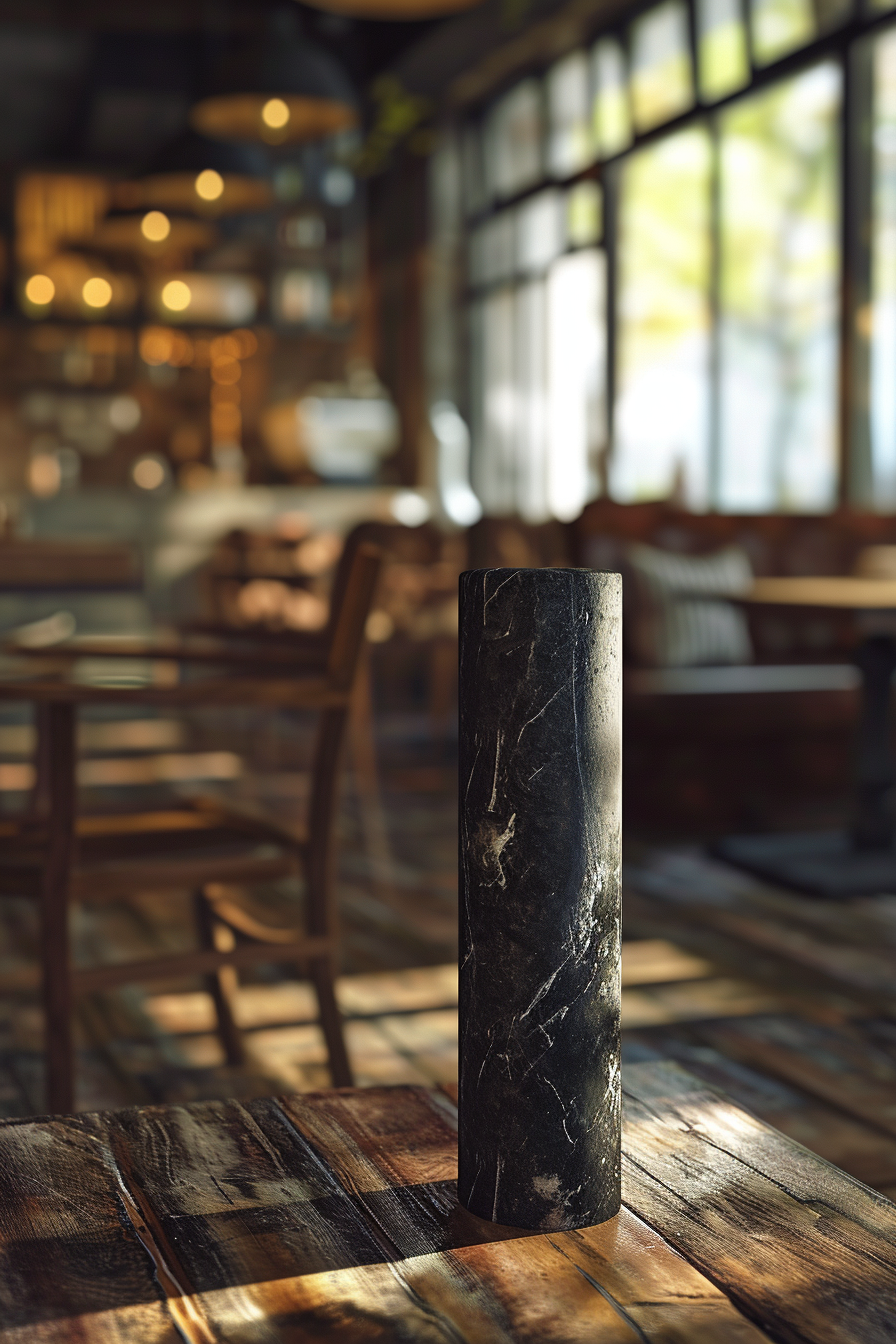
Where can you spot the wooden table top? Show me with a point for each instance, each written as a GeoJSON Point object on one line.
{"type": "Point", "coordinates": [48, 679]}
{"type": "Point", "coordinates": [848, 592]}
{"type": "Point", "coordinates": [34, 563]}
{"type": "Point", "coordinates": [335, 1216]}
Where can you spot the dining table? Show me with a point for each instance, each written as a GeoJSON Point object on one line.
{"type": "Point", "coordinates": [334, 1216]}
{"type": "Point", "coordinates": [859, 859]}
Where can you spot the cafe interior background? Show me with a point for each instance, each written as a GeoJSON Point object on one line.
{"type": "Point", "coordinates": [532, 282]}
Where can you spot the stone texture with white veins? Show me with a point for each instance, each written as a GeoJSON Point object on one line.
{"type": "Point", "coordinates": [540, 762]}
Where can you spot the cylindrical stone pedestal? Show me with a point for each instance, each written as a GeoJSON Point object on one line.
{"type": "Point", "coordinates": [540, 760]}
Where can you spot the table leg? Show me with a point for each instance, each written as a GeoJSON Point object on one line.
{"type": "Point", "coordinates": [876, 772]}
{"type": "Point", "coordinates": [39, 804]}
{"type": "Point", "coordinates": [59, 726]}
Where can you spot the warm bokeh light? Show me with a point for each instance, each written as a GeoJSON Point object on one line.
{"type": "Point", "coordinates": [315, 555]}
{"type": "Point", "coordinates": [155, 345]}
{"type": "Point", "coordinates": [275, 114]}
{"type": "Point", "coordinates": [380, 627]}
{"type": "Point", "coordinates": [176, 295]}
{"type": "Point", "coordinates": [226, 421]}
{"type": "Point", "coordinates": [225, 347]}
{"type": "Point", "coordinates": [97, 292]}
{"type": "Point", "coordinates": [162, 345]}
{"type": "Point", "coordinates": [40, 290]}
{"type": "Point", "coordinates": [270, 602]}
{"type": "Point", "coordinates": [209, 185]}
{"type": "Point", "coordinates": [226, 371]}
{"type": "Point", "coordinates": [124, 414]}
{"type": "Point", "coordinates": [195, 476]}
{"type": "Point", "coordinates": [155, 226]}
{"type": "Point", "coordinates": [247, 342]}
{"type": "Point", "coordinates": [44, 475]}
{"type": "Point", "coordinates": [180, 355]}
{"type": "Point", "coordinates": [148, 473]}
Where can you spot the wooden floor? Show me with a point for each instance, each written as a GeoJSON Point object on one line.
{"type": "Point", "coordinates": [787, 1003]}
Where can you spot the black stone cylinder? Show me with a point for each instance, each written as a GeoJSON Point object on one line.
{"type": "Point", "coordinates": [540, 764]}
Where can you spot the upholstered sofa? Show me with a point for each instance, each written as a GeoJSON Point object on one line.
{"type": "Point", "coordinates": [759, 742]}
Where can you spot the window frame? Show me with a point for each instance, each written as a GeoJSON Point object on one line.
{"type": "Point", "coordinates": [849, 45]}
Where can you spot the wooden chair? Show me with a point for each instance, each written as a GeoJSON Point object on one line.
{"type": "Point", "coordinates": [205, 847]}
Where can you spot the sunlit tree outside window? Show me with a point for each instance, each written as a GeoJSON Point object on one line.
{"type": "Point", "coordinates": [575, 384]}
{"type": "Point", "coordinates": [723, 59]}
{"type": "Point", "coordinates": [780, 26]}
{"type": "Point", "coordinates": [569, 128]}
{"type": "Point", "coordinates": [661, 426]}
{"type": "Point", "coordinates": [881, 320]}
{"type": "Point", "coordinates": [662, 80]}
{"type": "Point", "coordinates": [779, 243]}
{"type": "Point", "coordinates": [751, 330]}
{"type": "Point", "coordinates": [611, 113]}
{"type": "Point", "coordinates": [494, 401]}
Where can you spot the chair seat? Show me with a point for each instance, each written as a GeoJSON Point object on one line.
{"type": "Point", "coordinates": [272, 915]}
{"type": "Point", "coordinates": [186, 847]}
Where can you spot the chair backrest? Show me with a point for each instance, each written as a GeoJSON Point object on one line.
{"type": "Point", "coordinates": [509, 543]}
{"type": "Point", "coordinates": [352, 600]}
{"type": "Point", "coordinates": [393, 541]}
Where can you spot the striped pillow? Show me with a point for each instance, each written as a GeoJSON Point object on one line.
{"type": "Point", "coordinates": [679, 617]}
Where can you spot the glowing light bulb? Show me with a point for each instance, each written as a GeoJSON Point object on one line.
{"type": "Point", "coordinates": [177, 295]}
{"type": "Point", "coordinates": [44, 474]}
{"type": "Point", "coordinates": [40, 290]}
{"type": "Point", "coordinates": [209, 185]}
{"type": "Point", "coordinates": [148, 473]}
{"type": "Point", "coordinates": [155, 226]}
{"type": "Point", "coordinates": [97, 292]}
{"type": "Point", "coordinates": [275, 114]}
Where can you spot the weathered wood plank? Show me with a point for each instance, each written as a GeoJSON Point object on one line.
{"type": "Point", "coordinates": [238, 1191]}
{"type": "Point", "coordinates": [297, 692]}
{"type": "Point", "coordinates": [692, 927]}
{"type": "Point", "coordinates": [855, 1147]}
{"type": "Point", "coordinates": [804, 1250]}
{"type": "Point", "coordinates": [656, 961]}
{"type": "Point", "coordinates": [402, 1163]}
{"type": "Point", "coordinates": [258, 1226]}
{"type": "Point", "coordinates": [70, 1264]}
{"type": "Point", "coordinates": [848, 946]}
{"type": "Point", "coordinates": [335, 1215]}
{"type": "Point", "coordinates": [834, 1062]}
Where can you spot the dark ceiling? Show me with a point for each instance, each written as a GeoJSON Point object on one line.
{"type": "Point", "coordinates": [106, 83]}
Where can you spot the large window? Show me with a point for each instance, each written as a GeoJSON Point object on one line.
{"type": "Point", "coordinates": [778, 238]}
{"type": "Point", "coordinates": [665, 298]}
{"type": "Point", "coordinates": [661, 442]}
{"type": "Point", "coordinates": [879, 319]}
{"type": "Point", "coordinates": [539, 393]}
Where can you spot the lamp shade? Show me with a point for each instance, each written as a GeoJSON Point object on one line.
{"type": "Point", "coordinates": [200, 175]}
{"type": "Point", "coordinates": [280, 89]}
{"type": "Point", "coordinates": [397, 10]}
{"type": "Point", "coordinates": [153, 234]}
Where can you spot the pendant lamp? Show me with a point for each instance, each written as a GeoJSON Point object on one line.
{"type": "Point", "coordinates": [396, 10]}
{"type": "Point", "coordinates": [153, 233]}
{"type": "Point", "coordinates": [280, 89]}
{"type": "Point", "coordinates": [200, 176]}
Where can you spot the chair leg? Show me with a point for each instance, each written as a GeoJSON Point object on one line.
{"type": "Point", "coordinates": [58, 1004]}
{"type": "Point", "coordinates": [58, 726]}
{"type": "Point", "coordinates": [321, 973]}
{"type": "Point", "coordinates": [368, 789]}
{"type": "Point", "coordinates": [221, 984]}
